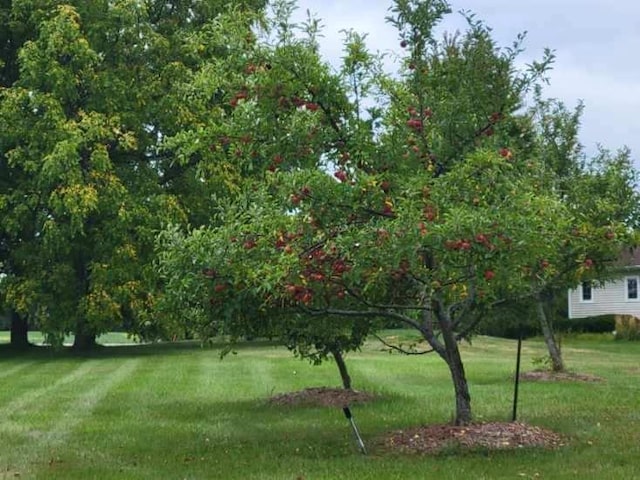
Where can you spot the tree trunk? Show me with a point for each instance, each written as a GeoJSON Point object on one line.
{"type": "Point", "coordinates": [342, 366]}
{"type": "Point", "coordinates": [85, 337]}
{"type": "Point", "coordinates": [84, 341]}
{"type": "Point", "coordinates": [557, 364]}
{"type": "Point", "coordinates": [19, 331]}
{"type": "Point", "coordinates": [456, 368]}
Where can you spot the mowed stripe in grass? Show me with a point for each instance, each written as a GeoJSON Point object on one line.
{"type": "Point", "coordinates": [9, 371]}
{"type": "Point", "coordinates": [37, 387]}
{"type": "Point", "coordinates": [190, 409]}
{"type": "Point", "coordinates": [40, 421]}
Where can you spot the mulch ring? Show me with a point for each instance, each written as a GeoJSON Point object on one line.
{"type": "Point", "coordinates": [550, 376]}
{"type": "Point", "coordinates": [322, 397]}
{"type": "Point", "coordinates": [435, 439]}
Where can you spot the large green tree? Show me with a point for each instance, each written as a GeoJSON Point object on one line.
{"type": "Point", "coordinates": [88, 92]}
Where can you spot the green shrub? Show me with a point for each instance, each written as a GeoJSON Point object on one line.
{"type": "Point", "coordinates": [510, 321]}
{"type": "Point", "coordinates": [599, 324]}
{"type": "Point", "coordinates": [627, 327]}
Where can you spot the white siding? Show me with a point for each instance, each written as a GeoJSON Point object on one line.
{"type": "Point", "coordinates": [611, 298]}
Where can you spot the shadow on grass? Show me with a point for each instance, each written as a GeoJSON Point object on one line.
{"type": "Point", "coordinates": [313, 432]}
{"type": "Point", "coordinates": [36, 352]}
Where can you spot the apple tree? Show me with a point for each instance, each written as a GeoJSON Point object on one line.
{"type": "Point", "coordinates": [417, 198]}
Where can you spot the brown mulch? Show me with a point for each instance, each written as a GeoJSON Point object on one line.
{"type": "Point", "coordinates": [322, 397]}
{"type": "Point", "coordinates": [434, 439]}
{"type": "Point", "coordinates": [549, 376]}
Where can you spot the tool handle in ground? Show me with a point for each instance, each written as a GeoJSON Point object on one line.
{"type": "Point", "coordinates": [347, 413]}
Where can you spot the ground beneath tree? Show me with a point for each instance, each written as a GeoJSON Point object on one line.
{"type": "Point", "coordinates": [431, 439]}
{"type": "Point", "coordinates": [434, 439]}
{"type": "Point", "coordinates": [550, 376]}
{"type": "Point", "coordinates": [322, 397]}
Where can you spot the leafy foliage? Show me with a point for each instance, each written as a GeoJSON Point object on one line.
{"type": "Point", "coordinates": [88, 95]}
{"type": "Point", "coordinates": [442, 204]}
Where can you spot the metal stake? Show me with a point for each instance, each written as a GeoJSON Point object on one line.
{"type": "Point", "coordinates": [347, 413]}
{"type": "Point", "coordinates": [517, 379]}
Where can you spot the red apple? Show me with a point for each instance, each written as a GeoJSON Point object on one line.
{"type": "Point", "coordinates": [429, 213]}
{"type": "Point", "coordinates": [339, 267]}
{"type": "Point", "coordinates": [506, 153]}
{"type": "Point", "coordinates": [481, 238]}
{"type": "Point", "coordinates": [311, 106]}
{"type": "Point", "coordinates": [415, 124]}
{"type": "Point", "coordinates": [209, 272]}
{"type": "Point", "coordinates": [341, 175]}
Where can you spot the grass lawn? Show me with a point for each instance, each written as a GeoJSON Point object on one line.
{"type": "Point", "coordinates": [179, 412]}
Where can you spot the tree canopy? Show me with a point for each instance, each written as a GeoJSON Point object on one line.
{"type": "Point", "coordinates": [87, 97]}
{"type": "Point", "coordinates": [426, 197]}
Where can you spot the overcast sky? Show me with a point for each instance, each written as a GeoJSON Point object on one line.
{"type": "Point", "coordinates": [596, 42]}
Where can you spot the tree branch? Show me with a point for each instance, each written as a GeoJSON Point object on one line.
{"type": "Point", "coordinates": [400, 349]}
{"type": "Point", "coordinates": [362, 314]}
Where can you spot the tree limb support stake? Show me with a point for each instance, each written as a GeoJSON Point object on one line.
{"type": "Point", "coordinates": [517, 379]}
{"type": "Point", "coordinates": [347, 413]}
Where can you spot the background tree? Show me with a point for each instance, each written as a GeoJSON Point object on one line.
{"type": "Point", "coordinates": [88, 94]}
{"type": "Point", "coordinates": [602, 195]}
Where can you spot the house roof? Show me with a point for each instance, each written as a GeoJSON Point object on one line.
{"type": "Point", "coordinates": [630, 257]}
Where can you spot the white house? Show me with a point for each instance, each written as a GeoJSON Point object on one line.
{"type": "Point", "coordinates": [618, 296]}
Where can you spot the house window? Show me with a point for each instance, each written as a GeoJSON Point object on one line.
{"type": "Point", "coordinates": [586, 292]}
{"type": "Point", "coordinates": [632, 288]}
